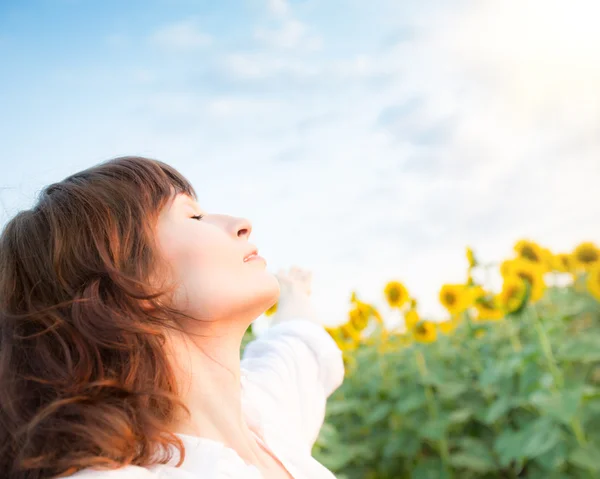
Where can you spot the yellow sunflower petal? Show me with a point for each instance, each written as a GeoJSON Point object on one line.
{"type": "Point", "coordinates": [448, 326]}
{"type": "Point", "coordinates": [593, 282]}
{"type": "Point", "coordinates": [471, 258]}
{"type": "Point", "coordinates": [411, 318]}
{"type": "Point", "coordinates": [271, 310]}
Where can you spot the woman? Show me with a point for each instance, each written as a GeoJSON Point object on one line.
{"type": "Point", "coordinates": [123, 305]}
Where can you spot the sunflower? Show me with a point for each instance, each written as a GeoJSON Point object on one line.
{"type": "Point", "coordinates": [454, 297]}
{"type": "Point", "coordinates": [411, 318]}
{"type": "Point", "coordinates": [513, 295]}
{"type": "Point", "coordinates": [396, 294]}
{"type": "Point", "coordinates": [593, 282]}
{"type": "Point", "coordinates": [586, 255]}
{"type": "Point", "coordinates": [447, 326]}
{"type": "Point", "coordinates": [359, 316]}
{"type": "Point", "coordinates": [425, 332]}
{"type": "Point", "coordinates": [271, 310]}
{"type": "Point", "coordinates": [531, 272]}
{"type": "Point", "coordinates": [531, 251]}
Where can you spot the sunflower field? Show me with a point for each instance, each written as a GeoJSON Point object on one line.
{"type": "Point", "coordinates": [507, 386]}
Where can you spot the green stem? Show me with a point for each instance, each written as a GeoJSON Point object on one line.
{"type": "Point", "coordinates": [556, 374]}
{"type": "Point", "coordinates": [431, 405]}
{"type": "Point", "coordinates": [514, 338]}
{"type": "Point", "coordinates": [579, 432]}
{"type": "Point", "coordinates": [547, 349]}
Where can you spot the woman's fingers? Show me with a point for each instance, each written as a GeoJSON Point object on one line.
{"type": "Point", "coordinates": [295, 278]}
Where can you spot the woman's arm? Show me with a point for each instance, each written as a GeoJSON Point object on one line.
{"type": "Point", "coordinates": [294, 366]}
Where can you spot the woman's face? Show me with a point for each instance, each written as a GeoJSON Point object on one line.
{"type": "Point", "coordinates": [207, 258]}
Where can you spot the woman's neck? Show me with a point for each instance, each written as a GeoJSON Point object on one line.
{"type": "Point", "coordinates": [207, 371]}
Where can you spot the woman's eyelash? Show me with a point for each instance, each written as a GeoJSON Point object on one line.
{"type": "Point", "coordinates": [198, 217]}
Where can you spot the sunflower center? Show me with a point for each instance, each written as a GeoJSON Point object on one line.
{"type": "Point", "coordinates": [450, 298]}
{"type": "Point", "coordinates": [529, 253]}
{"type": "Point", "coordinates": [394, 294]}
{"type": "Point", "coordinates": [588, 256]}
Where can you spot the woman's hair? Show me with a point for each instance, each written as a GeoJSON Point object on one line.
{"type": "Point", "coordinates": [84, 378]}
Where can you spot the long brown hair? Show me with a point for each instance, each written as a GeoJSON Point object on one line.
{"type": "Point", "coordinates": [84, 379]}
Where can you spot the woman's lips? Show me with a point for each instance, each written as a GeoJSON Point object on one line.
{"type": "Point", "coordinates": [254, 257]}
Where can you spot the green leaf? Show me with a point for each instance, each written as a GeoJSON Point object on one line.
{"type": "Point", "coordinates": [429, 469]}
{"type": "Point", "coordinates": [433, 430]}
{"type": "Point", "coordinates": [498, 409]}
{"type": "Point", "coordinates": [473, 454]}
{"type": "Point", "coordinates": [539, 437]}
{"type": "Point", "coordinates": [561, 406]}
{"type": "Point", "coordinates": [553, 459]}
{"type": "Point", "coordinates": [411, 402]}
{"type": "Point", "coordinates": [405, 444]}
{"type": "Point", "coordinates": [381, 410]}
{"type": "Point", "coordinates": [508, 446]}
{"type": "Point", "coordinates": [585, 349]}
{"type": "Point", "coordinates": [460, 416]}
{"type": "Point", "coordinates": [535, 439]}
{"type": "Point", "coordinates": [474, 462]}
{"type": "Point", "coordinates": [337, 459]}
{"type": "Point", "coordinates": [586, 458]}
{"type": "Point", "coordinates": [451, 390]}
{"type": "Point", "coordinates": [343, 407]}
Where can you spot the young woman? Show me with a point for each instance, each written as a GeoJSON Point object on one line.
{"type": "Point", "coordinates": [123, 305]}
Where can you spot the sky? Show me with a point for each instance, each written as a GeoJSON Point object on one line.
{"type": "Point", "coordinates": [367, 141]}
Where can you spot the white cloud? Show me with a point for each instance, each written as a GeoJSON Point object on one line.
{"type": "Point", "coordinates": [278, 7]}
{"type": "Point", "coordinates": [291, 34]}
{"type": "Point", "coordinates": [252, 66]}
{"type": "Point", "coordinates": [185, 35]}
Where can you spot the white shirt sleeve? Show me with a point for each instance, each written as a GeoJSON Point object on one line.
{"type": "Point", "coordinates": [125, 472]}
{"type": "Point", "coordinates": [136, 472]}
{"type": "Point", "coordinates": [292, 368]}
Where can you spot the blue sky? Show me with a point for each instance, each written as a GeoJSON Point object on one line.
{"type": "Point", "coordinates": [367, 141]}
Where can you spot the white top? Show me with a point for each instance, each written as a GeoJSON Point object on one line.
{"type": "Point", "coordinates": [287, 375]}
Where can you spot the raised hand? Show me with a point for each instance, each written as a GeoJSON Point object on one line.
{"type": "Point", "coordinates": [294, 299]}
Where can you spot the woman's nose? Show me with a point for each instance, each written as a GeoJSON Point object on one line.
{"type": "Point", "coordinates": [243, 227]}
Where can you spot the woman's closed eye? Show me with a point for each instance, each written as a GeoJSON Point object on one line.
{"type": "Point", "coordinates": [198, 217]}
